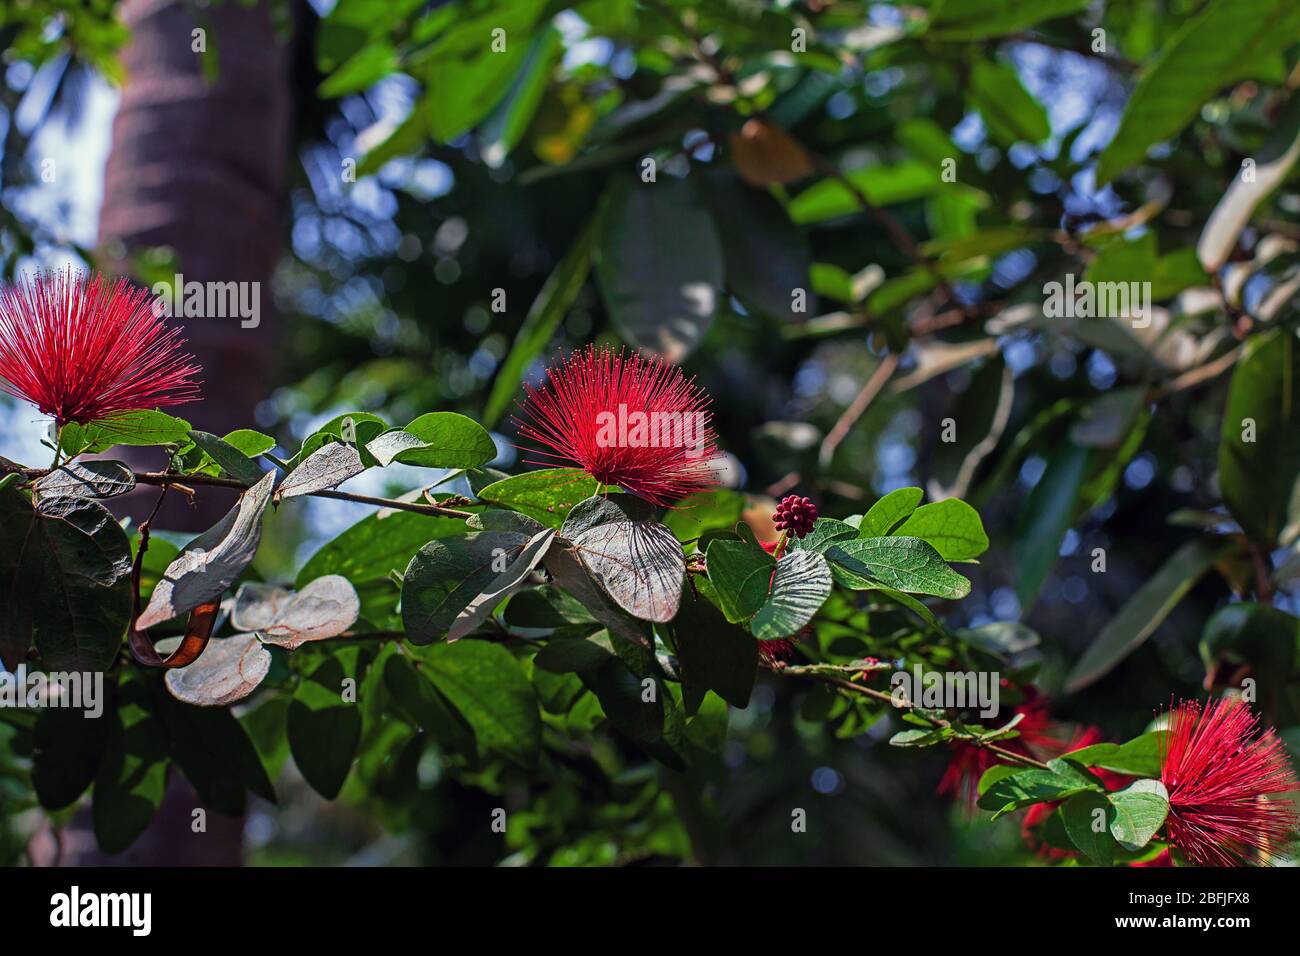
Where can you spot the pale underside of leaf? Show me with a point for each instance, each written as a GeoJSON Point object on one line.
{"type": "Point", "coordinates": [86, 479]}
{"type": "Point", "coordinates": [506, 583]}
{"type": "Point", "coordinates": [327, 467]}
{"type": "Point", "coordinates": [640, 564]}
{"type": "Point", "coordinates": [228, 671]}
{"type": "Point", "coordinates": [212, 561]}
{"type": "Point", "coordinates": [325, 608]}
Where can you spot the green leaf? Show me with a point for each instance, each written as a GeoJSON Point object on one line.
{"type": "Point", "coordinates": [1140, 810]}
{"type": "Point", "coordinates": [266, 726]}
{"type": "Point", "coordinates": [887, 513]}
{"type": "Point", "coordinates": [446, 575]}
{"type": "Point", "coordinates": [133, 771]}
{"type": "Point", "coordinates": [1227, 41]}
{"type": "Point", "coordinates": [436, 440]}
{"type": "Point", "coordinates": [882, 186]}
{"type": "Point", "coordinates": [215, 754]}
{"type": "Point", "coordinates": [706, 511]}
{"type": "Point", "coordinates": [416, 694]}
{"type": "Point", "coordinates": [1021, 788]}
{"type": "Point", "coordinates": [825, 532]}
{"type": "Point", "coordinates": [545, 495]}
{"type": "Point", "coordinates": [365, 68]}
{"type": "Point", "coordinates": [350, 427]}
{"type": "Point", "coordinates": [370, 551]}
{"type": "Point", "coordinates": [977, 19]}
{"type": "Point", "coordinates": [1088, 818]}
{"type": "Point", "coordinates": [233, 462]}
{"type": "Point", "coordinates": [995, 773]}
{"type": "Point", "coordinates": [767, 258]}
{"type": "Point", "coordinates": [714, 654]}
{"type": "Point", "coordinates": [1140, 757]}
{"type": "Point", "coordinates": [65, 582]}
{"type": "Point", "coordinates": [707, 729]}
{"type": "Point", "coordinates": [1265, 637]}
{"type": "Point", "coordinates": [1044, 519]}
{"type": "Point", "coordinates": [68, 745]}
{"type": "Point", "coordinates": [575, 655]}
{"type": "Point", "coordinates": [660, 265]}
{"type": "Point", "coordinates": [740, 573]}
{"type": "Point", "coordinates": [486, 684]}
{"type": "Point", "coordinates": [501, 586]}
{"type": "Point", "coordinates": [920, 738]}
{"type": "Point", "coordinates": [544, 317]}
{"type": "Point", "coordinates": [324, 728]}
{"type": "Point", "coordinates": [1010, 113]}
{"type": "Point", "coordinates": [465, 76]}
{"type": "Point", "coordinates": [951, 525]}
{"type": "Point", "coordinates": [351, 23]}
{"type": "Point", "coordinates": [1259, 448]}
{"type": "Point", "coordinates": [801, 586]}
{"type": "Point", "coordinates": [621, 695]}
{"type": "Point", "coordinates": [1144, 611]}
{"type": "Point", "coordinates": [125, 428]}
{"type": "Point", "coordinates": [905, 564]}
{"type": "Point", "coordinates": [249, 442]}
{"type": "Point", "coordinates": [505, 127]}
{"type": "Point", "coordinates": [408, 137]}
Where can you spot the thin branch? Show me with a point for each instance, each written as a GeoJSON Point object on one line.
{"type": "Point", "coordinates": [818, 673]}
{"type": "Point", "coordinates": [1200, 374]}
{"type": "Point", "coordinates": [857, 408]}
{"type": "Point", "coordinates": [166, 479]}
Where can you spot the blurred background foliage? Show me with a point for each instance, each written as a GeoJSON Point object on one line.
{"type": "Point", "coordinates": [453, 215]}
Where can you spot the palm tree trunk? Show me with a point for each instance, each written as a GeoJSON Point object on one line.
{"type": "Point", "coordinates": [198, 164]}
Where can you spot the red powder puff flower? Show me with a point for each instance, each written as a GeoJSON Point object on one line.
{"type": "Point", "coordinates": [1220, 772]}
{"type": "Point", "coordinates": [629, 421]}
{"type": "Point", "coordinates": [83, 349]}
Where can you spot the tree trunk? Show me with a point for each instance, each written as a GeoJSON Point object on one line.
{"type": "Point", "coordinates": [198, 164]}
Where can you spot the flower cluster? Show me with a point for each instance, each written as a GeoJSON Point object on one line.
{"type": "Point", "coordinates": [1223, 776]}
{"type": "Point", "coordinates": [82, 349]}
{"type": "Point", "coordinates": [795, 515]}
{"type": "Point", "coordinates": [629, 421]}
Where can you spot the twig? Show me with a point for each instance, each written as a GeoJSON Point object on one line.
{"type": "Point", "coordinates": [783, 484]}
{"type": "Point", "coordinates": [1263, 583]}
{"type": "Point", "coordinates": [815, 672]}
{"type": "Point", "coordinates": [165, 479]}
{"type": "Point", "coordinates": [1200, 374]}
{"type": "Point", "coordinates": [856, 408]}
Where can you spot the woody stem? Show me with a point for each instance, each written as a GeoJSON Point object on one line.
{"type": "Point", "coordinates": [812, 673]}
{"type": "Point", "coordinates": [165, 479]}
